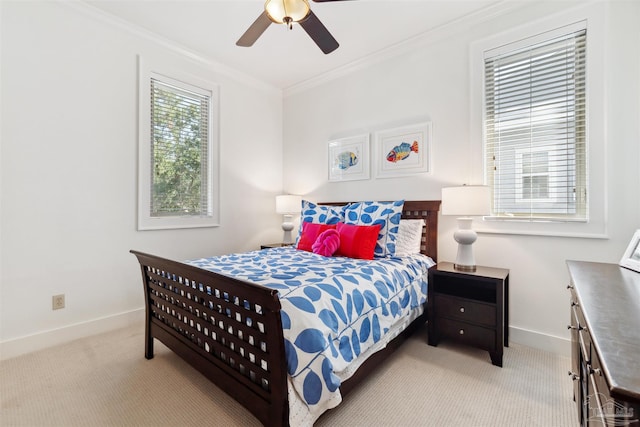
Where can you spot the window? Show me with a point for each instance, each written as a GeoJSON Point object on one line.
{"type": "Point", "coordinates": [535, 128]}
{"type": "Point", "coordinates": [532, 169]}
{"type": "Point", "coordinates": [178, 147]}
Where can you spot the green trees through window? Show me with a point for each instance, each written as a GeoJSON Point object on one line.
{"type": "Point", "coordinates": [179, 154]}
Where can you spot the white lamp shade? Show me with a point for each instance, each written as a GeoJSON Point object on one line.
{"type": "Point", "coordinates": [288, 204]}
{"type": "Point", "coordinates": [467, 200]}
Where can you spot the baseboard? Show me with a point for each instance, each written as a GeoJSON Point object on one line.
{"type": "Point", "coordinates": [42, 340]}
{"type": "Point", "coordinates": [553, 344]}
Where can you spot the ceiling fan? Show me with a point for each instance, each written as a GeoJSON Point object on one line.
{"type": "Point", "coordinates": [287, 12]}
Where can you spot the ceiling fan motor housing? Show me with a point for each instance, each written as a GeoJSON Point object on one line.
{"type": "Point", "coordinates": [287, 11]}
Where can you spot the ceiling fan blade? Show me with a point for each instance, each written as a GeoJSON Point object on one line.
{"type": "Point", "coordinates": [319, 33]}
{"type": "Point", "coordinates": [254, 31]}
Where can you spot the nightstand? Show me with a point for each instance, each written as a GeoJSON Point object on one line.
{"type": "Point", "coordinates": [275, 245]}
{"type": "Point", "coordinates": [469, 307]}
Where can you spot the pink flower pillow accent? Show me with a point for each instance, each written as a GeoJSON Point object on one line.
{"type": "Point", "coordinates": [327, 243]}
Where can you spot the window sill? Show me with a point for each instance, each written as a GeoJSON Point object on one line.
{"type": "Point", "coordinates": [572, 229]}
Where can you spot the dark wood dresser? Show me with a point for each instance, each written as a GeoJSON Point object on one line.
{"type": "Point", "coordinates": [605, 343]}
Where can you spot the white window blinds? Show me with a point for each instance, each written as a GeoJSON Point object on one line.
{"type": "Point", "coordinates": [180, 173]}
{"type": "Point", "coordinates": [535, 129]}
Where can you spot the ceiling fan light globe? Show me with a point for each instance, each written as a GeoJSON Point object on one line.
{"type": "Point", "coordinates": [287, 11]}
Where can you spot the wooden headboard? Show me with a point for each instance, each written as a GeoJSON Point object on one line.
{"type": "Point", "coordinates": [420, 209]}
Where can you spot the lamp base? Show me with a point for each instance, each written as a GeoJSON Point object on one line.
{"type": "Point", "coordinates": [287, 226]}
{"type": "Point", "coordinates": [465, 268]}
{"type": "Point", "coordinates": [465, 237]}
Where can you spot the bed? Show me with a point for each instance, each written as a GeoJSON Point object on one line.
{"type": "Point", "coordinates": [231, 329]}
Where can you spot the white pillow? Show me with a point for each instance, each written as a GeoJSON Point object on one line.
{"type": "Point", "coordinates": [409, 237]}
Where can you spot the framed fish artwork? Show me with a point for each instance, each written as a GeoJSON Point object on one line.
{"type": "Point", "coordinates": [349, 158]}
{"type": "Point", "coordinates": [403, 151]}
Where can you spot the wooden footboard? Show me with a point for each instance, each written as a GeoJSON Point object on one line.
{"type": "Point", "coordinates": [228, 329]}
{"type": "Point", "coordinates": [231, 330]}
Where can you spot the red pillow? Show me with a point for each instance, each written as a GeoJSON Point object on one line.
{"type": "Point", "coordinates": [310, 232]}
{"type": "Point", "coordinates": [357, 241]}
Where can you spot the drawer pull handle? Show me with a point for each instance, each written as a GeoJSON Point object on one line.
{"type": "Point", "coordinates": [574, 304]}
{"type": "Point", "coordinates": [569, 286]}
{"type": "Point", "coordinates": [461, 309]}
{"type": "Point", "coordinates": [596, 371]}
{"type": "Point", "coordinates": [578, 328]}
{"type": "Point", "coordinates": [461, 332]}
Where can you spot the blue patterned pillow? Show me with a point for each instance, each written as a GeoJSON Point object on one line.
{"type": "Point", "coordinates": [319, 214]}
{"type": "Point", "coordinates": [387, 214]}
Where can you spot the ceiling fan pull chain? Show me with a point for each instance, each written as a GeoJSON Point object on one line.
{"type": "Point", "coordinates": [289, 22]}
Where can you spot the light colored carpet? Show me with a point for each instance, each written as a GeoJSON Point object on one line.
{"type": "Point", "coordinates": [105, 380]}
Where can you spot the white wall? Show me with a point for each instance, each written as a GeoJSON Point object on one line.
{"type": "Point", "coordinates": [69, 171]}
{"type": "Point", "coordinates": [68, 165]}
{"type": "Point", "coordinates": [431, 80]}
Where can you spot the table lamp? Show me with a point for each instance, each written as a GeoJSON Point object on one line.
{"type": "Point", "coordinates": [288, 205]}
{"type": "Point", "coordinates": [466, 201]}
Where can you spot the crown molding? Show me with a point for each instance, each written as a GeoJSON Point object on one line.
{"type": "Point", "coordinates": [93, 12]}
{"type": "Point", "coordinates": [447, 30]}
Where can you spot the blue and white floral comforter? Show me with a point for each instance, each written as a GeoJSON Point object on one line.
{"type": "Point", "coordinates": [333, 309]}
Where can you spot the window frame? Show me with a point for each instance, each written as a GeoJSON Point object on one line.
{"type": "Point", "coordinates": [593, 17]}
{"type": "Point", "coordinates": [175, 76]}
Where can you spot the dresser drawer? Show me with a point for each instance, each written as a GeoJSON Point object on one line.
{"type": "Point", "coordinates": [597, 375]}
{"type": "Point", "coordinates": [611, 412]}
{"type": "Point", "coordinates": [601, 410]}
{"type": "Point", "coordinates": [575, 307]}
{"type": "Point", "coordinates": [467, 333]}
{"type": "Point", "coordinates": [465, 310]}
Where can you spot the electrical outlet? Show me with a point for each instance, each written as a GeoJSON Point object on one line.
{"type": "Point", "coordinates": [58, 302]}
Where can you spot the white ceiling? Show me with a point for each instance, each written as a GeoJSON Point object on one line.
{"type": "Point", "coordinates": [283, 58]}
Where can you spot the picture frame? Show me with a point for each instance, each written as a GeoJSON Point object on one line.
{"type": "Point", "coordinates": [349, 158]}
{"type": "Point", "coordinates": [403, 150]}
{"type": "Point", "coordinates": [631, 257]}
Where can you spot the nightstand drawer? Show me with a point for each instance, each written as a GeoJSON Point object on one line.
{"type": "Point", "coordinates": [465, 309]}
{"type": "Point", "coordinates": [467, 333]}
